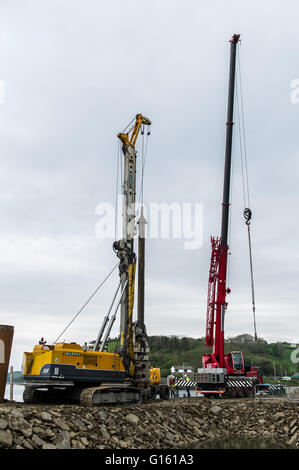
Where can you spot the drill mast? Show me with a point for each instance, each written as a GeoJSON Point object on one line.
{"type": "Point", "coordinates": [124, 248]}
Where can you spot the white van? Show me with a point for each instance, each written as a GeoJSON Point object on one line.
{"type": "Point", "coordinates": [286, 378]}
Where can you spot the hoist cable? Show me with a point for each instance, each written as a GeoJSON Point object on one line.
{"type": "Point", "coordinates": [243, 156]}
{"type": "Point", "coordinates": [117, 191]}
{"type": "Point", "coordinates": [230, 212]}
{"type": "Point", "coordinates": [242, 124]}
{"type": "Point", "coordinates": [252, 282]}
{"type": "Point", "coordinates": [241, 150]}
{"type": "Point", "coordinates": [143, 162]}
{"type": "Point", "coordinates": [88, 300]}
{"type": "Point", "coordinates": [128, 126]}
{"type": "Point", "coordinates": [142, 169]}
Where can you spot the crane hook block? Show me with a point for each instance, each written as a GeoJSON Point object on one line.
{"type": "Point", "coordinates": [247, 215]}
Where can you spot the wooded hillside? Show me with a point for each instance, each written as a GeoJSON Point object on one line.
{"type": "Point", "coordinates": [273, 358]}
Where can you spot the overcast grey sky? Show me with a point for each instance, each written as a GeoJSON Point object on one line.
{"type": "Point", "coordinates": [75, 73]}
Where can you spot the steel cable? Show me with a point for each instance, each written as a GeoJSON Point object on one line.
{"type": "Point", "coordinates": [88, 300]}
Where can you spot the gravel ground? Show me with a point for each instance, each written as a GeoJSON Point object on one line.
{"type": "Point", "coordinates": [174, 424]}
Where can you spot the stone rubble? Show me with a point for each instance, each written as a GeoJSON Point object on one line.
{"type": "Point", "coordinates": [174, 424]}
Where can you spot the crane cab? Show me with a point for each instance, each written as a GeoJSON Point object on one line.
{"type": "Point", "coordinates": [234, 362]}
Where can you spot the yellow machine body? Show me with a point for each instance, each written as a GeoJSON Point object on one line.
{"type": "Point", "coordinates": [155, 376]}
{"type": "Point", "coordinates": [69, 361]}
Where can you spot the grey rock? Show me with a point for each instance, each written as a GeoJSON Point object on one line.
{"type": "Point", "coordinates": [5, 438]}
{"type": "Point", "coordinates": [49, 433]}
{"type": "Point", "coordinates": [37, 441]}
{"type": "Point", "coordinates": [278, 415]}
{"type": "Point", "coordinates": [48, 446]}
{"type": "Point", "coordinates": [102, 415]}
{"type": "Point", "coordinates": [112, 422]}
{"type": "Point", "coordinates": [41, 431]}
{"type": "Point", "coordinates": [79, 423]}
{"type": "Point", "coordinates": [169, 436]}
{"type": "Point", "coordinates": [123, 444]}
{"type": "Point", "coordinates": [55, 413]}
{"type": "Point", "coordinates": [61, 424]}
{"type": "Point", "coordinates": [27, 444]}
{"type": "Point", "coordinates": [63, 440]}
{"type": "Point", "coordinates": [18, 441]}
{"type": "Point", "coordinates": [3, 424]}
{"type": "Point", "coordinates": [104, 431]}
{"type": "Point", "coordinates": [292, 439]}
{"type": "Point", "coordinates": [77, 444]}
{"type": "Point", "coordinates": [215, 409]}
{"type": "Point", "coordinates": [115, 441]}
{"type": "Point", "coordinates": [85, 441]}
{"type": "Point", "coordinates": [17, 423]}
{"type": "Point", "coordinates": [46, 416]}
{"type": "Point", "coordinates": [132, 419]}
{"type": "Point", "coordinates": [197, 431]}
{"type": "Point", "coordinates": [17, 412]}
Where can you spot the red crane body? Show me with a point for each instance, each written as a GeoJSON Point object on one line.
{"type": "Point", "coordinates": [216, 306]}
{"type": "Point", "coordinates": [217, 289]}
{"type": "Point", "coordinates": [220, 369]}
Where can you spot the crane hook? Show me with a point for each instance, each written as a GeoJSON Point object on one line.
{"type": "Point", "coordinates": [247, 215]}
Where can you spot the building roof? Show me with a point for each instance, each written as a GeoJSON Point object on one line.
{"type": "Point", "coordinates": [185, 366]}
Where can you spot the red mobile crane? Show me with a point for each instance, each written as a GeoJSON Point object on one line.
{"type": "Point", "coordinates": [223, 374]}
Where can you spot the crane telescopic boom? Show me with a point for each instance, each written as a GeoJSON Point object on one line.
{"type": "Point", "coordinates": [224, 374]}
{"type": "Point", "coordinates": [218, 269]}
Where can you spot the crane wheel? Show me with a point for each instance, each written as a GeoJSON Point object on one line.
{"type": "Point", "coordinates": [164, 393]}
{"type": "Point", "coordinates": [153, 393]}
{"type": "Point", "coordinates": [29, 395]}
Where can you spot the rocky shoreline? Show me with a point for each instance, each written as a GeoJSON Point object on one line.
{"type": "Point", "coordinates": [174, 424]}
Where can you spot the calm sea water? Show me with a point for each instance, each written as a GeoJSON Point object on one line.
{"type": "Point", "coordinates": [17, 392]}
